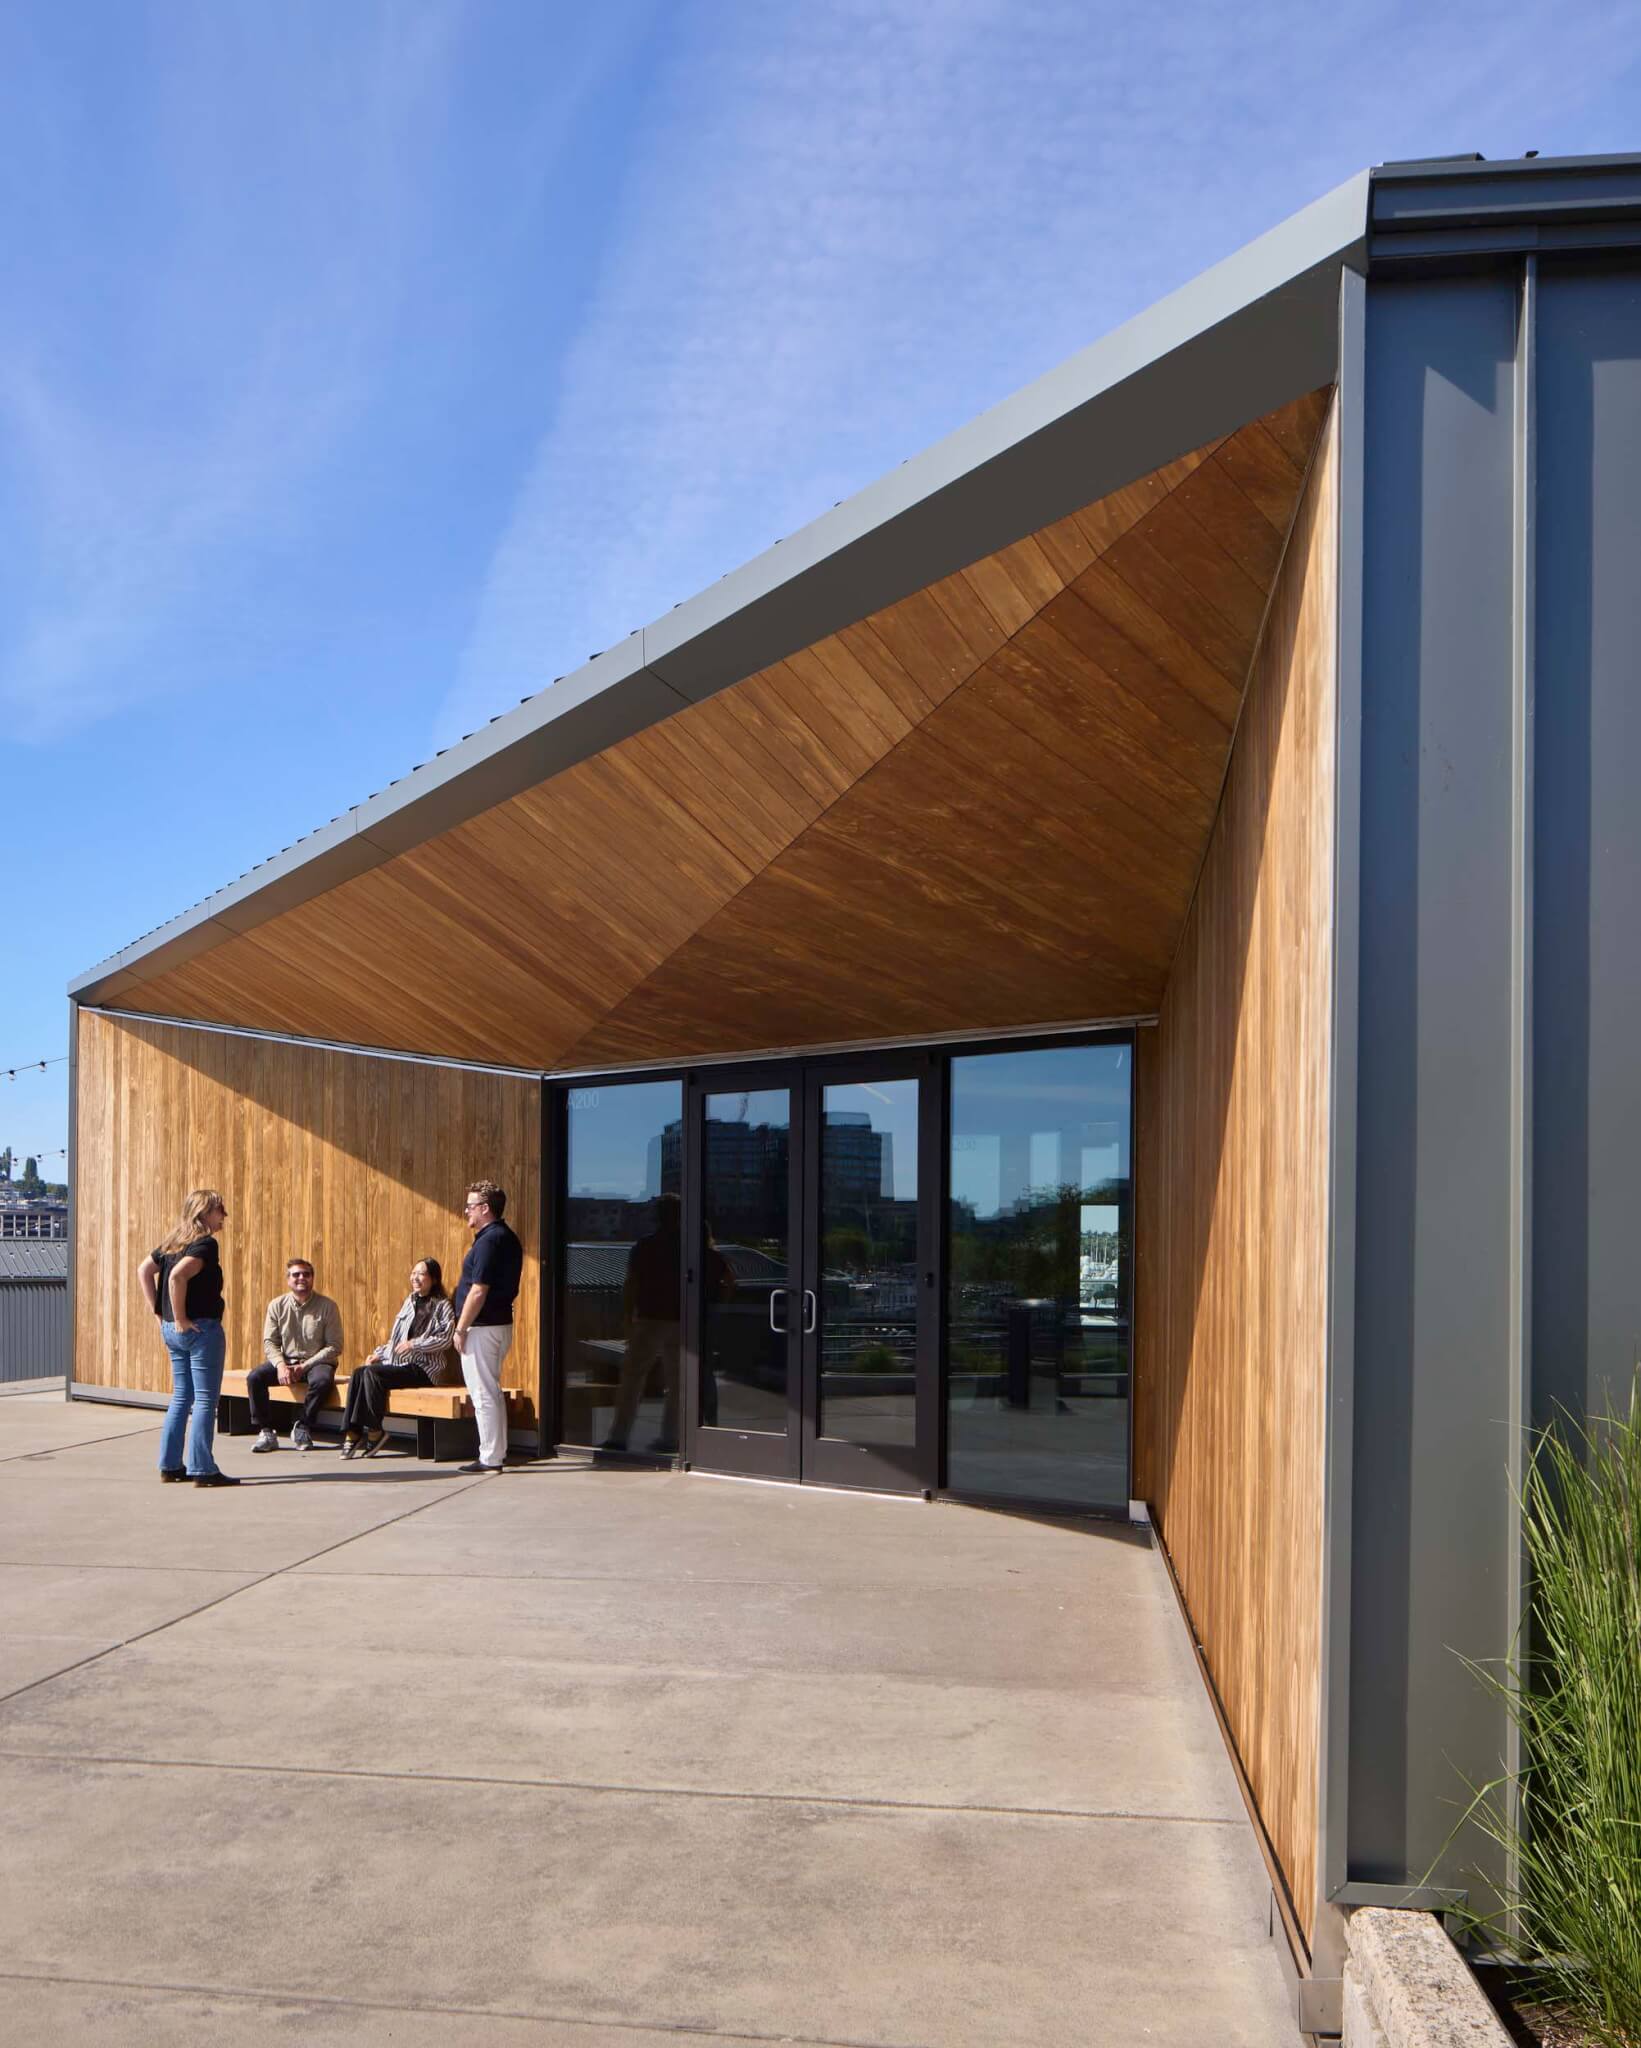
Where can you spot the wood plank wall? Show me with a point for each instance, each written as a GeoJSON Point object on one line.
{"type": "Point", "coordinates": [355, 1162]}
{"type": "Point", "coordinates": [1232, 1230]}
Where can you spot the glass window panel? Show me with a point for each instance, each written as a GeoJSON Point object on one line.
{"type": "Point", "coordinates": [623, 1292]}
{"type": "Point", "coordinates": [746, 1293]}
{"type": "Point", "coordinates": [1039, 1249]}
{"type": "Point", "coordinates": [868, 1269]}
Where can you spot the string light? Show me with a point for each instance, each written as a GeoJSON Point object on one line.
{"type": "Point", "coordinates": [34, 1066]}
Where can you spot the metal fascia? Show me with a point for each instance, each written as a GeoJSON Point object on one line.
{"type": "Point", "coordinates": [1252, 332]}
{"type": "Point", "coordinates": [1450, 214]}
{"type": "Point", "coordinates": [1333, 1747]}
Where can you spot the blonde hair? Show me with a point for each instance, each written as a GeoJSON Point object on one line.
{"type": "Point", "coordinates": [196, 1205]}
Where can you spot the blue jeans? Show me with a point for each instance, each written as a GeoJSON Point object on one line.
{"type": "Point", "coordinates": [197, 1359]}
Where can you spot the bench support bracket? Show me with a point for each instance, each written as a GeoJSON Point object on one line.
{"type": "Point", "coordinates": [446, 1442]}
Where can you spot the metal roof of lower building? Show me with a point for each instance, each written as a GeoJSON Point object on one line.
{"type": "Point", "coordinates": [33, 1258]}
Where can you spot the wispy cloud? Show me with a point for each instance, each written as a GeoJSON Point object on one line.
{"type": "Point", "coordinates": [850, 225]}
{"type": "Point", "coordinates": [166, 409]}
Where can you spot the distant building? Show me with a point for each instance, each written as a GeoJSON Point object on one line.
{"type": "Point", "coordinates": [33, 1216]}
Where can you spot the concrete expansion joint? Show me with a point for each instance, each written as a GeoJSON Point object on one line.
{"type": "Point", "coordinates": [1407, 1986]}
{"type": "Point", "coordinates": [28, 1457]}
{"type": "Point", "coordinates": [329, 2001]}
{"type": "Point", "coordinates": [260, 1579]}
{"type": "Point", "coordinates": [236, 1766]}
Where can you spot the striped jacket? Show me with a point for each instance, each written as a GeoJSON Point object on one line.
{"type": "Point", "coordinates": [428, 1325]}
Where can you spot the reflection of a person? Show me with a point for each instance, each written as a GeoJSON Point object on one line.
{"type": "Point", "coordinates": [719, 1276]}
{"type": "Point", "coordinates": [650, 1309]}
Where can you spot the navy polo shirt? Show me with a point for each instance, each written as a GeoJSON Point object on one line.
{"type": "Point", "coordinates": [495, 1259]}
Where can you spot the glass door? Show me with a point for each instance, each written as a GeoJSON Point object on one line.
{"type": "Point", "coordinates": [743, 1277]}
{"type": "Point", "coordinates": [870, 1369]}
{"type": "Point", "coordinates": [811, 1276]}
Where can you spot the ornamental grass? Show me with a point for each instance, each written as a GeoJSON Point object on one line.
{"type": "Point", "coordinates": [1572, 1832]}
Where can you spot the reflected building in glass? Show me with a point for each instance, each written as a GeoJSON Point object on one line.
{"type": "Point", "coordinates": [622, 1290]}
{"type": "Point", "coordinates": [1039, 1246]}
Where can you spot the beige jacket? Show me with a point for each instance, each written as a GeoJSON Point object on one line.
{"type": "Point", "coordinates": [305, 1334]}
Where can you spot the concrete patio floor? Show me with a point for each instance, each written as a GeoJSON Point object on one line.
{"type": "Point", "coordinates": [380, 1753]}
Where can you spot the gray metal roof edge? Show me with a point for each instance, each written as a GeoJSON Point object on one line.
{"type": "Point", "coordinates": [1448, 198]}
{"type": "Point", "coordinates": [1174, 376]}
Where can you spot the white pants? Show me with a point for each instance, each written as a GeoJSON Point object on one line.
{"type": "Point", "coordinates": [486, 1345]}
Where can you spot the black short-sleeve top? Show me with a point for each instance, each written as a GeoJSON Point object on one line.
{"type": "Point", "coordinates": [203, 1295]}
{"type": "Point", "coordinates": [495, 1260]}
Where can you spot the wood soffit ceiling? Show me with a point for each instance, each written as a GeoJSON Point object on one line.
{"type": "Point", "coordinates": [981, 807]}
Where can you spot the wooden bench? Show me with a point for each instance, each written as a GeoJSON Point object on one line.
{"type": "Point", "coordinates": [445, 1428]}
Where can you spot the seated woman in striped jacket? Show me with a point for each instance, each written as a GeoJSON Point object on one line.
{"type": "Point", "coordinates": [418, 1353]}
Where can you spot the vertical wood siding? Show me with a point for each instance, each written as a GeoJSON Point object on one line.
{"type": "Point", "coordinates": [1233, 1135]}
{"type": "Point", "coordinates": [356, 1163]}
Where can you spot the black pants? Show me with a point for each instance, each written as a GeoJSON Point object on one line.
{"type": "Point", "coordinates": [369, 1388]}
{"type": "Point", "coordinates": [317, 1385]}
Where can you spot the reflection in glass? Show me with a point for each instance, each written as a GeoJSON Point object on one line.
{"type": "Point", "coordinates": [623, 1294]}
{"type": "Point", "coordinates": [1040, 1241]}
{"type": "Point", "coordinates": [868, 1276]}
{"type": "Point", "coordinates": [746, 1294]}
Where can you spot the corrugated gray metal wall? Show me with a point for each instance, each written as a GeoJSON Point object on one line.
{"type": "Point", "coordinates": [1499, 1008]}
{"type": "Point", "coordinates": [33, 1329]}
{"type": "Point", "coordinates": [1587, 936]}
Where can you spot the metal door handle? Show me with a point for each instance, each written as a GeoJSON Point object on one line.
{"type": "Point", "coordinates": [778, 1328]}
{"type": "Point", "coordinates": [811, 1312]}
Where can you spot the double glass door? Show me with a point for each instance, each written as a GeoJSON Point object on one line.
{"type": "Point", "coordinates": [810, 1291]}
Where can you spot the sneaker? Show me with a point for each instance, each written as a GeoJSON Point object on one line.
{"type": "Point", "coordinates": [265, 1441]}
{"type": "Point", "coordinates": [302, 1437]}
{"type": "Point", "coordinates": [476, 1466]}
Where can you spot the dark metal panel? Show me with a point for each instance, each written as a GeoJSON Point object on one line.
{"type": "Point", "coordinates": [1431, 1515]}
{"type": "Point", "coordinates": [1523, 719]}
{"type": "Point", "coordinates": [1523, 189]}
{"type": "Point", "coordinates": [1586, 1070]}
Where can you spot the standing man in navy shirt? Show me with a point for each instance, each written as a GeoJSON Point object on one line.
{"type": "Point", "coordinates": [484, 1317]}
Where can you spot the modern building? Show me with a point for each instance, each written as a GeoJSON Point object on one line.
{"type": "Point", "coordinates": [33, 1216]}
{"type": "Point", "coordinates": [1189, 817]}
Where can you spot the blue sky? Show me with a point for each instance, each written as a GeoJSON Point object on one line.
{"type": "Point", "coordinates": [365, 366]}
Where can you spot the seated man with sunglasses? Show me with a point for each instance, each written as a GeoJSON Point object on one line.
{"type": "Point", "coordinates": [301, 1342]}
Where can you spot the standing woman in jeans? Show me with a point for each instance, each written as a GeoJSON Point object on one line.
{"type": "Point", "coordinates": [182, 1278]}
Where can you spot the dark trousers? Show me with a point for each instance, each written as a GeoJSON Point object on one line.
{"type": "Point", "coordinates": [318, 1383]}
{"type": "Point", "coordinates": [369, 1388]}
